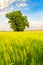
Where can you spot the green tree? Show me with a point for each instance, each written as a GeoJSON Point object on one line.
{"type": "Point", "coordinates": [17, 21]}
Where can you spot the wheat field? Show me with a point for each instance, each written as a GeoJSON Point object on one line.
{"type": "Point", "coordinates": [21, 48]}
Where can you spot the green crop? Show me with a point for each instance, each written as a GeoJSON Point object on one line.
{"type": "Point", "coordinates": [21, 48]}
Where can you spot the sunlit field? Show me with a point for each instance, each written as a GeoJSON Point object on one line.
{"type": "Point", "coordinates": [21, 48]}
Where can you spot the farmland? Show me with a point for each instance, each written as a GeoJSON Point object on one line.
{"type": "Point", "coordinates": [21, 48]}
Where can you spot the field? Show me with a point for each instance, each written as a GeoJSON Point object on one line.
{"type": "Point", "coordinates": [21, 48]}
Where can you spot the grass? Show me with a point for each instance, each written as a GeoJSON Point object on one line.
{"type": "Point", "coordinates": [21, 48]}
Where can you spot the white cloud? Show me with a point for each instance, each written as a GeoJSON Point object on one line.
{"type": "Point", "coordinates": [36, 25]}
{"type": "Point", "coordinates": [21, 0]}
{"type": "Point", "coordinates": [4, 3]}
{"type": "Point", "coordinates": [21, 5]}
{"type": "Point", "coordinates": [4, 26]}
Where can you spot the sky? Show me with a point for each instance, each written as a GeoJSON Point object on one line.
{"type": "Point", "coordinates": [33, 9]}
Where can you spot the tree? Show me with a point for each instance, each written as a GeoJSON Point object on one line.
{"type": "Point", "coordinates": [17, 21]}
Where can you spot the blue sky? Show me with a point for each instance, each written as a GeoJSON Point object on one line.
{"type": "Point", "coordinates": [33, 9]}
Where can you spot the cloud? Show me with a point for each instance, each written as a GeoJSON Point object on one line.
{"type": "Point", "coordinates": [21, 5]}
{"type": "Point", "coordinates": [36, 26]}
{"type": "Point", "coordinates": [4, 26]}
{"type": "Point", "coordinates": [5, 3]}
{"type": "Point", "coordinates": [21, 0]}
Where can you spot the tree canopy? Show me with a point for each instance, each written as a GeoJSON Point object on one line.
{"type": "Point", "coordinates": [17, 20]}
